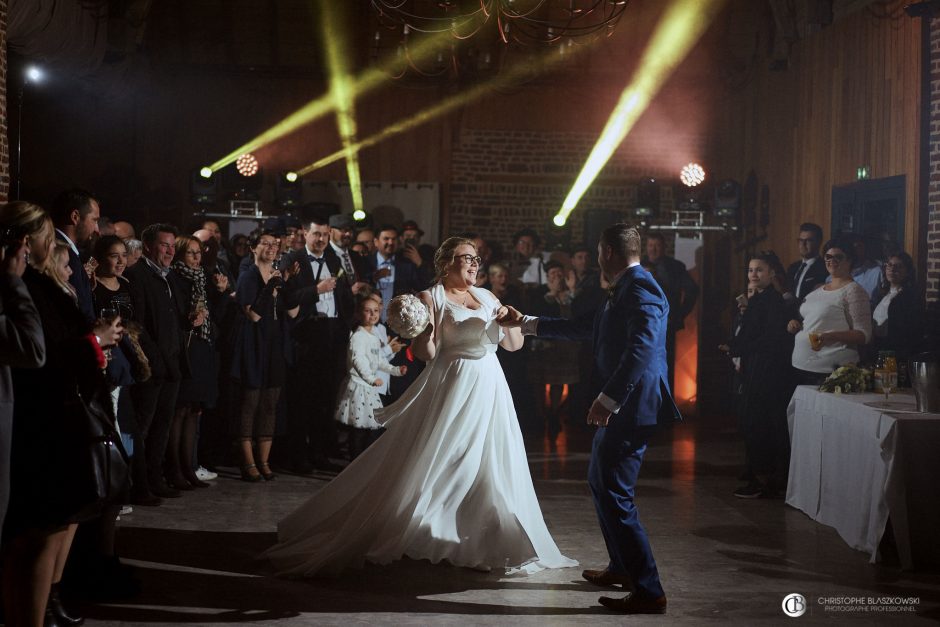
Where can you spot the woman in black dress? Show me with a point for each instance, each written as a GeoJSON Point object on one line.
{"type": "Point", "coordinates": [36, 531]}
{"type": "Point", "coordinates": [899, 311]}
{"type": "Point", "coordinates": [764, 346]}
{"type": "Point", "coordinates": [200, 390]}
{"type": "Point", "coordinates": [260, 353]}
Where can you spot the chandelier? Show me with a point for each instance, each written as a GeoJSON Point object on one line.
{"type": "Point", "coordinates": [480, 30]}
{"type": "Point", "coordinates": [524, 21]}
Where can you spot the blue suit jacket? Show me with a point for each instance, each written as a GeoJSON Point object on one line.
{"type": "Point", "coordinates": [409, 278]}
{"type": "Point", "coordinates": [629, 338]}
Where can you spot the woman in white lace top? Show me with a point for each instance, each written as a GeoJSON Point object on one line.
{"type": "Point", "coordinates": [837, 315]}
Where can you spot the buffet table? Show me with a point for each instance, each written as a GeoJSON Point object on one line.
{"type": "Point", "coordinates": [857, 461]}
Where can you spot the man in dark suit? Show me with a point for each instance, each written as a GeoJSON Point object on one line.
{"type": "Point", "coordinates": [342, 228]}
{"type": "Point", "coordinates": [392, 274]}
{"type": "Point", "coordinates": [629, 337]}
{"type": "Point", "coordinates": [681, 292]}
{"type": "Point", "coordinates": [320, 338]}
{"type": "Point", "coordinates": [809, 272]}
{"type": "Point", "coordinates": [75, 217]}
{"type": "Point", "coordinates": [154, 291]}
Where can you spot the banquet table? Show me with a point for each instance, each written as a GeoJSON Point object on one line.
{"type": "Point", "coordinates": [857, 461]}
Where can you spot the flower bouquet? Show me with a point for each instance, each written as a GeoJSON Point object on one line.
{"type": "Point", "coordinates": [847, 379]}
{"type": "Point", "coordinates": [407, 316]}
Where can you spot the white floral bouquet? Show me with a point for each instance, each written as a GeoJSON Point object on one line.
{"type": "Point", "coordinates": [407, 316]}
{"type": "Point", "coordinates": [847, 379]}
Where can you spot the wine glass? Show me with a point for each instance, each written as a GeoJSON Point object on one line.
{"type": "Point", "coordinates": [889, 381]}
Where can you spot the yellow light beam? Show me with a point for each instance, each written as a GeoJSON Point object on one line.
{"type": "Point", "coordinates": [343, 97]}
{"type": "Point", "coordinates": [317, 108]}
{"type": "Point", "coordinates": [679, 29]}
{"type": "Point", "coordinates": [503, 79]}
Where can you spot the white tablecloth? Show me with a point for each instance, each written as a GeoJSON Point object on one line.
{"type": "Point", "coordinates": [853, 466]}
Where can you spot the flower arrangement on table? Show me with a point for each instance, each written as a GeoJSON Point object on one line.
{"type": "Point", "coordinates": [847, 379]}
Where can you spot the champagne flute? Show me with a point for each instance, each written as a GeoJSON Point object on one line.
{"type": "Point", "coordinates": [889, 381]}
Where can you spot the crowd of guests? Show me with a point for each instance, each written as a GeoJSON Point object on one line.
{"type": "Point", "coordinates": [834, 306]}
{"type": "Point", "coordinates": [266, 351]}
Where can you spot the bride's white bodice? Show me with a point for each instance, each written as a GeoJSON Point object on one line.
{"type": "Point", "coordinates": [467, 333]}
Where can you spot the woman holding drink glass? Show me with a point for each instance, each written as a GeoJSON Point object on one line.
{"type": "Point", "coordinates": [836, 320]}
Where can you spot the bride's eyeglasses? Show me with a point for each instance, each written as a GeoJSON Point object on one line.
{"type": "Point", "coordinates": [470, 259]}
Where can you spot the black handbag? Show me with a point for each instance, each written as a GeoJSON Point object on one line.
{"type": "Point", "coordinates": [97, 459]}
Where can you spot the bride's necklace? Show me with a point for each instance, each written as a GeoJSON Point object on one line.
{"type": "Point", "coordinates": [461, 300]}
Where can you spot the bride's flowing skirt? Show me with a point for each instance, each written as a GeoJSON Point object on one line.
{"type": "Point", "coordinates": [448, 480]}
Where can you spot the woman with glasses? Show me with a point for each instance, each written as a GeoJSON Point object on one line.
{"type": "Point", "coordinates": [898, 315]}
{"type": "Point", "coordinates": [836, 320]}
{"type": "Point", "coordinates": [260, 353]}
{"type": "Point", "coordinates": [200, 390]}
{"type": "Point", "coordinates": [449, 478]}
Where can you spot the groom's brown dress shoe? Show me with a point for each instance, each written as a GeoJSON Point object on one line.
{"type": "Point", "coordinates": [632, 604]}
{"type": "Point", "coordinates": [607, 578]}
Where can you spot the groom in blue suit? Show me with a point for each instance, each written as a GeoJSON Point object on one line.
{"type": "Point", "coordinates": [629, 336]}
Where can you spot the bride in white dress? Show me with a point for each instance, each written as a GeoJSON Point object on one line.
{"type": "Point", "coordinates": [449, 479]}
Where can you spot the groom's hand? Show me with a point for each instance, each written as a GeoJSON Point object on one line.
{"type": "Point", "coordinates": [508, 316]}
{"type": "Point", "coordinates": [598, 415]}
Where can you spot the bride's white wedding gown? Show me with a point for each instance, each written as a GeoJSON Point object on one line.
{"type": "Point", "coordinates": [448, 480]}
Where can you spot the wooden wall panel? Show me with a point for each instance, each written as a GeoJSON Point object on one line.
{"type": "Point", "coordinates": [849, 97]}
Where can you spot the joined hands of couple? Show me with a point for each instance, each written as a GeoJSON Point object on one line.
{"type": "Point", "coordinates": [510, 317]}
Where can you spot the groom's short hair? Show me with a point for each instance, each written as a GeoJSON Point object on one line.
{"type": "Point", "coordinates": [623, 239]}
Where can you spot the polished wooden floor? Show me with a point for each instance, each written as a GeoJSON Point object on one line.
{"type": "Point", "coordinates": [722, 560]}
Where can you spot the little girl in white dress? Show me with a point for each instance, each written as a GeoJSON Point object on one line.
{"type": "Point", "coordinates": [359, 394]}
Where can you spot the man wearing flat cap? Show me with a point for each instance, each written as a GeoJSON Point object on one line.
{"type": "Point", "coordinates": [342, 228]}
{"type": "Point", "coordinates": [412, 248]}
{"type": "Point", "coordinates": [293, 238]}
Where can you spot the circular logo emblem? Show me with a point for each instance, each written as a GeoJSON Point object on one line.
{"type": "Point", "coordinates": [794, 605]}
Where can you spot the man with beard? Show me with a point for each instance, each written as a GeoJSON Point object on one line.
{"type": "Point", "coordinates": [320, 337]}
{"type": "Point", "coordinates": [75, 216]}
{"type": "Point", "coordinates": [392, 274]}
{"type": "Point", "coordinates": [341, 237]}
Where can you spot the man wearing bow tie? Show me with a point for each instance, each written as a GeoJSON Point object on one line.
{"type": "Point", "coordinates": [320, 337]}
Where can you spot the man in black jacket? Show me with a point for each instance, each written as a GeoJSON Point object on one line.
{"type": "Point", "coordinates": [681, 292]}
{"type": "Point", "coordinates": [154, 294]}
{"type": "Point", "coordinates": [75, 216]}
{"type": "Point", "coordinates": [320, 338]}
{"type": "Point", "coordinates": [809, 272]}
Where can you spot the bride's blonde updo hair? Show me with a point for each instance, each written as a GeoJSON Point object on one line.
{"type": "Point", "coordinates": [444, 257]}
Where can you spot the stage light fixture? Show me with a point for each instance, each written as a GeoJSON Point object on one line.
{"type": "Point", "coordinates": [203, 189]}
{"type": "Point", "coordinates": [359, 215]}
{"type": "Point", "coordinates": [692, 174]}
{"type": "Point", "coordinates": [205, 172]}
{"type": "Point", "coordinates": [247, 165]}
{"type": "Point", "coordinates": [288, 190]}
{"type": "Point", "coordinates": [647, 199]}
{"type": "Point", "coordinates": [727, 199]}
{"type": "Point", "coordinates": [34, 74]}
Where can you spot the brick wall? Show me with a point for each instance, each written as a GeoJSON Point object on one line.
{"type": "Point", "coordinates": [933, 199]}
{"type": "Point", "coordinates": [4, 144]}
{"type": "Point", "coordinates": [503, 181]}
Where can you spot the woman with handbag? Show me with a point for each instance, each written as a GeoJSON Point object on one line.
{"type": "Point", "coordinates": [43, 503]}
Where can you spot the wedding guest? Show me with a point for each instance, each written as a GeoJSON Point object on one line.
{"type": "Point", "coordinates": [21, 343]}
{"type": "Point", "coordinates": [390, 347]}
{"type": "Point", "coordinates": [899, 310]}
{"type": "Point", "coordinates": [359, 394]}
{"type": "Point", "coordinates": [41, 518]}
{"type": "Point", "coordinates": [260, 354]}
{"type": "Point", "coordinates": [553, 364]}
{"type": "Point", "coordinates": [200, 390]}
{"type": "Point", "coordinates": [135, 248]}
{"type": "Point", "coordinates": [763, 345]}
{"type": "Point", "coordinates": [836, 319]}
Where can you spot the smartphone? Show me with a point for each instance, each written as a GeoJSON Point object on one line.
{"type": "Point", "coordinates": [11, 238]}
{"type": "Point", "coordinates": [741, 300]}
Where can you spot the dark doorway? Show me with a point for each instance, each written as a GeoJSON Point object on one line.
{"type": "Point", "coordinates": [873, 209]}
